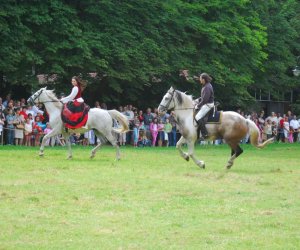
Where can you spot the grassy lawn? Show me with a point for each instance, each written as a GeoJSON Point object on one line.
{"type": "Point", "coordinates": [151, 199]}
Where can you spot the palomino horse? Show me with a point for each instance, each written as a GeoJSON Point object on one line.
{"type": "Point", "coordinates": [232, 127]}
{"type": "Point", "coordinates": [100, 120]}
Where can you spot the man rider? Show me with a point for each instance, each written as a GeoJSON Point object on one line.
{"type": "Point", "coordinates": [205, 102]}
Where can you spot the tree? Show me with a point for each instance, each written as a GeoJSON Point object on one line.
{"type": "Point", "coordinates": [136, 48]}
{"type": "Point", "coordinates": [283, 28]}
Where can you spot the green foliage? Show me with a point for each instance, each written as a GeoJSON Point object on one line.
{"type": "Point", "coordinates": [138, 47]}
{"type": "Point", "coordinates": [283, 27]}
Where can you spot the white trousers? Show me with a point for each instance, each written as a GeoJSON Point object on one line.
{"type": "Point", "coordinates": [204, 110]}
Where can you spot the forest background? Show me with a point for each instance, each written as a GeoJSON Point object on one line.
{"type": "Point", "coordinates": [136, 49]}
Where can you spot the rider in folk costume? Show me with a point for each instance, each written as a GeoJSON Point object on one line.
{"type": "Point", "coordinates": [205, 102]}
{"type": "Point", "coordinates": [78, 87]}
{"type": "Point", "coordinates": [75, 111]}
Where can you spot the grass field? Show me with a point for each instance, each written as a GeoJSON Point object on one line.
{"type": "Point", "coordinates": [151, 199]}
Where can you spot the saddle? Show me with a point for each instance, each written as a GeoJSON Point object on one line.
{"type": "Point", "coordinates": [75, 114]}
{"type": "Point", "coordinates": [213, 116]}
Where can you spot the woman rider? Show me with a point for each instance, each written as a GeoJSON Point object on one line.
{"type": "Point", "coordinates": [78, 87]}
{"type": "Point", "coordinates": [74, 114]}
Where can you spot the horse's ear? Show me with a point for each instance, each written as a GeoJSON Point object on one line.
{"type": "Point", "coordinates": [45, 87]}
{"type": "Point", "coordinates": [171, 89]}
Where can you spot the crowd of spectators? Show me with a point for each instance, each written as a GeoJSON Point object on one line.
{"type": "Point", "coordinates": [284, 128]}
{"type": "Point", "coordinates": [22, 124]}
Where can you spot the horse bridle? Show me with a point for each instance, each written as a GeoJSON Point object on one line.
{"type": "Point", "coordinates": [166, 107]}
{"type": "Point", "coordinates": [31, 100]}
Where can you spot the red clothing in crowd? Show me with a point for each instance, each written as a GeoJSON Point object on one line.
{"type": "Point", "coordinates": [141, 118]}
{"type": "Point", "coordinates": [281, 123]}
{"type": "Point", "coordinates": [36, 128]}
{"type": "Point", "coordinates": [42, 118]}
{"type": "Point", "coordinates": [24, 114]}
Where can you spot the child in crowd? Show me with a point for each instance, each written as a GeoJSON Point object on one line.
{"type": "Point", "coordinates": [37, 132]}
{"type": "Point", "coordinates": [143, 140]}
{"type": "Point", "coordinates": [136, 128]}
{"type": "Point", "coordinates": [267, 130]}
{"type": "Point", "coordinates": [168, 132]}
{"type": "Point", "coordinates": [291, 137]}
{"type": "Point", "coordinates": [154, 130]}
{"type": "Point", "coordinates": [30, 117]}
{"type": "Point", "coordinates": [47, 130]}
{"type": "Point", "coordinates": [274, 129]}
{"type": "Point", "coordinates": [28, 132]}
{"type": "Point", "coordinates": [161, 133]}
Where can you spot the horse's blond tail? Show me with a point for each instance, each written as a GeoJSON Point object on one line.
{"type": "Point", "coordinates": [122, 119]}
{"type": "Point", "coordinates": [254, 135]}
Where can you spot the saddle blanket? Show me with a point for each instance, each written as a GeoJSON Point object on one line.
{"type": "Point", "coordinates": [214, 117]}
{"type": "Point", "coordinates": [75, 114]}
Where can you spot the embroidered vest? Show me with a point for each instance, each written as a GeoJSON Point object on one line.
{"type": "Point", "coordinates": [79, 92]}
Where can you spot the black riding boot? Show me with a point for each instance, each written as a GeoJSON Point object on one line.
{"type": "Point", "coordinates": [203, 130]}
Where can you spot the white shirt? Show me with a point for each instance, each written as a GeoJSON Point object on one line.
{"type": "Point", "coordinates": [286, 126]}
{"type": "Point", "coordinates": [28, 127]}
{"type": "Point", "coordinates": [131, 114]}
{"type": "Point", "coordinates": [34, 111]}
{"type": "Point", "coordinates": [274, 119]}
{"type": "Point", "coordinates": [72, 96]}
{"type": "Point", "coordinates": [294, 124]}
{"type": "Point", "coordinates": [30, 111]}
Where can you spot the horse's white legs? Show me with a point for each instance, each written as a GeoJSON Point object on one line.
{"type": "Point", "coordinates": [113, 142]}
{"type": "Point", "coordinates": [94, 150]}
{"type": "Point", "coordinates": [68, 143]}
{"type": "Point", "coordinates": [45, 138]}
{"type": "Point", "coordinates": [178, 146]}
{"type": "Point", "coordinates": [191, 147]}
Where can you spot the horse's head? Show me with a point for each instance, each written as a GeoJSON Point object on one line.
{"type": "Point", "coordinates": [167, 102]}
{"type": "Point", "coordinates": [36, 97]}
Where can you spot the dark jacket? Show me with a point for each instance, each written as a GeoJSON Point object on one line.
{"type": "Point", "coordinates": [207, 95]}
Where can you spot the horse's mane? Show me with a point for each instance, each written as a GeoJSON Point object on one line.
{"type": "Point", "coordinates": [52, 96]}
{"type": "Point", "coordinates": [183, 99]}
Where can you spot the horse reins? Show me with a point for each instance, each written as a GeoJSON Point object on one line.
{"type": "Point", "coordinates": [31, 100]}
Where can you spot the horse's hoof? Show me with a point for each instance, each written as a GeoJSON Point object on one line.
{"type": "Point", "coordinates": [92, 156]}
{"type": "Point", "coordinates": [201, 164]}
{"type": "Point", "coordinates": [69, 158]}
{"type": "Point", "coordinates": [41, 154]}
{"type": "Point", "coordinates": [229, 166]}
{"type": "Point", "coordinates": [186, 157]}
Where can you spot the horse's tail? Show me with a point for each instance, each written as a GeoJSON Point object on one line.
{"type": "Point", "coordinates": [122, 120]}
{"type": "Point", "coordinates": [254, 135]}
